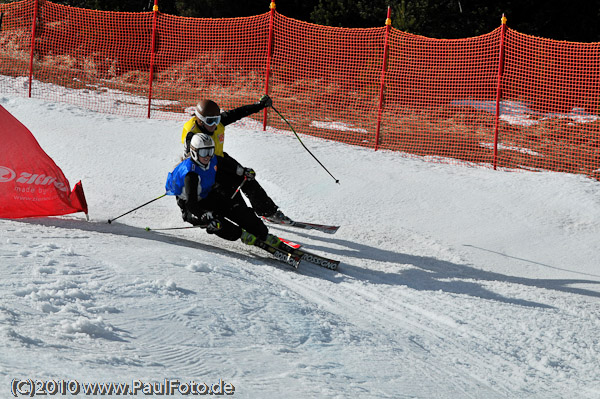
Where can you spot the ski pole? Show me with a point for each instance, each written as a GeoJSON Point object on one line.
{"type": "Point", "coordinates": [239, 188]}
{"type": "Point", "coordinates": [134, 209]}
{"type": "Point", "coordinates": [172, 228]}
{"type": "Point", "coordinates": [298, 137]}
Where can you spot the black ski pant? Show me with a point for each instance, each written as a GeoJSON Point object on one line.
{"type": "Point", "coordinates": [233, 214]}
{"type": "Point", "coordinates": [229, 181]}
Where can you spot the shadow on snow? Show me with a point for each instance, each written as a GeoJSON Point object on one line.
{"type": "Point", "coordinates": [432, 274]}
{"type": "Point", "coordinates": [428, 274]}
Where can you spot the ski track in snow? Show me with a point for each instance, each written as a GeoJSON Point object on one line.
{"type": "Point", "coordinates": [437, 294]}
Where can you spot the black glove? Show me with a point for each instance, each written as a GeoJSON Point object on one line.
{"type": "Point", "coordinates": [265, 101]}
{"type": "Point", "coordinates": [211, 223]}
{"type": "Point", "coordinates": [249, 173]}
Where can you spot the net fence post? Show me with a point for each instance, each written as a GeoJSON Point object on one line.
{"type": "Point", "coordinates": [388, 24]}
{"type": "Point", "coordinates": [269, 53]}
{"type": "Point", "coordinates": [499, 88]}
{"type": "Point", "coordinates": [152, 54]}
{"type": "Point", "coordinates": [32, 49]}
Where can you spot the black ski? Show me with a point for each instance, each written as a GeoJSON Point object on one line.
{"type": "Point", "coordinates": [287, 252]}
{"type": "Point", "coordinates": [284, 254]}
{"type": "Point", "coordinates": [318, 260]}
{"type": "Point", "coordinates": [303, 225]}
{"type": "Point", "coordinates": [310, 257]}
{"type": "Point", "coordinates": [291, 254]}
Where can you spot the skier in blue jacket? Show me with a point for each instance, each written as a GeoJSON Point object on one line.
{"type": "Point", "coordinates": [203, 204]}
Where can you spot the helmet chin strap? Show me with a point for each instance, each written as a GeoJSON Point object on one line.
{"type": "Point", "coordinates": [201, 126]}
{"type": "Point", "coordinates": [208, 163]}
{"type": "Point", "coordinates": [200, 164]}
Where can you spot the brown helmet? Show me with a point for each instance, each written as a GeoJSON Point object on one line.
{"type": "Point", "coordinates": [207, 108]}
{"type": "Point", "coordinates": [208, 112]}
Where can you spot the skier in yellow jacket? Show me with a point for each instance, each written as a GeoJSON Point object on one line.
{"type": "Point", "coordinates": [209, 119]}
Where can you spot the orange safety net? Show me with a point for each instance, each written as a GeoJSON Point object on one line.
{"type": "Point", "coordinates": [15, 39]}
{"type": "Point", "coordinates": [222, 59]}
{"type": "Point", "coordinates": [429, 82]}
{"type": "Point", "coordinates": [556, 85]}
{"type": "Point", "coordinates": [326, 80]}
{"type": "Point", "coordinates": [503, 99]}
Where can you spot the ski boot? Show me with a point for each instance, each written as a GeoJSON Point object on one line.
{"type": "Point", "coordinates": [278, 217]}
{"type": "Point", "coordinates": [248, 238]}
{"type": "Point", "coordinates": [273, 240]}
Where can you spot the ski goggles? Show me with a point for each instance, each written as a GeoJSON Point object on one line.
{"type": "Point", "coordinates": [209, 120]}
{"type": "Point", "coordinates": [205, 152]}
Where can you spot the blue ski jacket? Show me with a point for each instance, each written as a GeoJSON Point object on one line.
{"type": "Point", "coordinates": [206, 178]}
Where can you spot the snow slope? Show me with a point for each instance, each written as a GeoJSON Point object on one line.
{"type": "Point", "coordinates": [455, 282]}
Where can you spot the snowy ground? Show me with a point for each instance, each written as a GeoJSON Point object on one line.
{"type": "Point", "coordinates": [455, 282]}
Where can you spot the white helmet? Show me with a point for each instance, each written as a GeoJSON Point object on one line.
{"type": "Point", "coordinates": [202, 145]}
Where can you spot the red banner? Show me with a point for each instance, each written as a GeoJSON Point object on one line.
{"type": "Point", "coordinates": [30, 182]}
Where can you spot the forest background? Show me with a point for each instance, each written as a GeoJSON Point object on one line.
{"type": "Point", "coordinates": [444, 19]}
